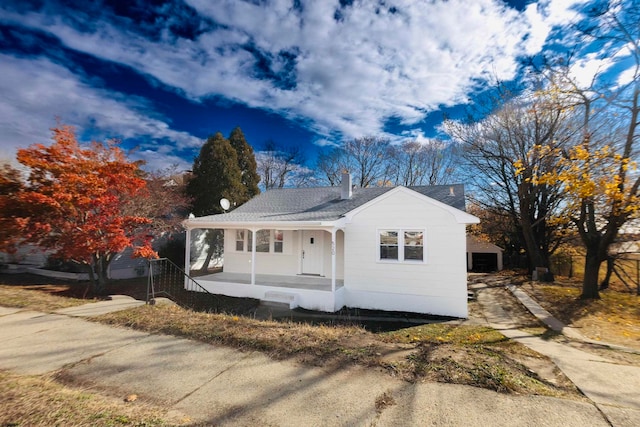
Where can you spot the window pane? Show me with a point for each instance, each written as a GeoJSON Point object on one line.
{"type": "Point", "coordinates": [240, 240]}
{"type": "Point", "coordinates": [413, 253]}
{"type": "Point", "coordinates": [413, 238]}
{"type": "Point", "coordinates": [388, 252]}
{"type": "Point", "coordinates": [278, 239]}
{"type": "Point", "coordinates": [388, 237]}
{"type": "Point", "coordinates": [262, 240]}
{"type": "Point", "coordinates": [413, 245]}
{"type": "Point", "coordinates": [388, 244]}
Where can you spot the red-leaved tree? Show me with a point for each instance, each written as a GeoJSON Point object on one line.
{"type": "Point", "coordinates": [75, 202]}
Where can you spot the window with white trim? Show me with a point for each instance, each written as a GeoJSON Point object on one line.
{"type": "Point", "coordinates": [278, 241]}
{"type": "Point", "coordinates": [389, 244]}
{"type": "Point", "coordinates": [401, 245]}
{"type": "Point", "coordinates": [264, 239]}
{"type": "Point", "coordinates": [240, 240]}
{"type": "Point", "coordinates": [414, 245]}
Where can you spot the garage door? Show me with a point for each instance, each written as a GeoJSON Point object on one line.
{"type": "Point", "coordinates": [484, 262]}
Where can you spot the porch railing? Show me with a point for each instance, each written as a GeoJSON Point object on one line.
{"type": "Point", "coordinates": [168, 280]}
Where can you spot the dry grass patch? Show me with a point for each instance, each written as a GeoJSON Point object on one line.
{"type": "Point", "coordinates": [614, 318]}
{"type": "Point", "coordinates": [41, 401]}
{"type": "Point", "coordinates": [43, 300]}
{"type": "Point", "coordinates": [468, 355]}
{"type": "Point", "coordinates": [318, 345]}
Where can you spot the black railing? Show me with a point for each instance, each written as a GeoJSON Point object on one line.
{"type": "Point", "coordinates": [168, 280]}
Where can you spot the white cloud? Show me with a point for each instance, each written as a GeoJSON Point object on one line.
{"type": "Point", "coordinates": [627, 76]}
{"type": "Point", "coordinates": [584, 70]}
{"type": "Point", "coordinates": [35, 91]}
{"type": "Point", "coordinates": [544, 16]}
{"type": "Point", "coordinates": [351, 74]}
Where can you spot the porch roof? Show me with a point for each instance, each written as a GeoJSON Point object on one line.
{"type": "Point", "coordinates": [319, 207]}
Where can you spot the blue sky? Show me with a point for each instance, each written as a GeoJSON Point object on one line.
{"type": "Point", "coordinates": [162, 76]}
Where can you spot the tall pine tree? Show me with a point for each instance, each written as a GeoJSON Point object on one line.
{"type": "Point", "coordinates": [246, 163]}
{"type": "Point", "coordinates": [216, 175]}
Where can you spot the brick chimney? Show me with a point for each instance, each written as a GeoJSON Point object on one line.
{"type": "Point", "coordinates": [346, 191]}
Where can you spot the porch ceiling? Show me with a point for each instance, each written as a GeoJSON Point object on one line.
{"type": "Point", "coordinates": [313, 283]}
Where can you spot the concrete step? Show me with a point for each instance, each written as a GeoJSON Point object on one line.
{"type": "Point", "coordinates": [281, 297]}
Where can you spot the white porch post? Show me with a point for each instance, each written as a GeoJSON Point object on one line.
{"type": "Point", "coordinates": [187, 257]}
{"type": "Point", "coordinates": [333, 260]}
{"type": "Point", "coordinates": [254, 232]}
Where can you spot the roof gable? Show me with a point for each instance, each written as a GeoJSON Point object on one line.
{"type": "Point", "coordinates": [459, 215]}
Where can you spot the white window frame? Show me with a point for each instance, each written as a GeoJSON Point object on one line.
{"type": "Point", "coordinates": [401, 245]}
{"type": "Point", "coordinates": [248, 235]}
{"type": "Point", "coordinates": [244, 240]}
{"type": "Point", "coordinates": [397, 245]}
{"type": "Point", "coordinates": [274, 234]}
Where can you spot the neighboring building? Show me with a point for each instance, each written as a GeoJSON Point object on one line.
{"type": "Point", "coordinates": [627, 245]}
{"type": "Point", "coordinates": [483, 257]}
{"type": "Point", "coordinates": [33, 259]}
{"type": "Point", "coordinates": [395, 249]}
{"type": "Point", "coordinates": [26, 255]}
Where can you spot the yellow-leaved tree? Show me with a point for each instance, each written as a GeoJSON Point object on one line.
{"type": "Point", "coordinates": [599, 171]}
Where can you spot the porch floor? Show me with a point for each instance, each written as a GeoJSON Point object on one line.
{"type": "Point", "coordinates": [313, 283]}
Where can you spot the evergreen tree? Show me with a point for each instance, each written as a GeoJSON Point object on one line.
{"type": "Point", "coordinates": [246, 163]}
{"type": "Point", "coordinates": [216, 175]}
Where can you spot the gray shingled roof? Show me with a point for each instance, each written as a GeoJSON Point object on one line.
{"type": "Point", "coordinates": [323, 203]}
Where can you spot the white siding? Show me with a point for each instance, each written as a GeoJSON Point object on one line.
{"type": "Point", "coordinates": [436, 286]}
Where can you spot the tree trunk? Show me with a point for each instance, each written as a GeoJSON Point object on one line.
{"type": "Point", "coordinates": [92, 279]}
{"type": "Point", "coordinates": [205, 266]}
{"type": "Point", "coordinates": [215, 240]}
{"type": "Point", "coordinates": [98, 274]}
{"type": "Point", "coordinates": [610, 265]}
{"type": "Point", "coordinates": [536, 255]}
{"type": "Point", "coordinates": [591, 270]}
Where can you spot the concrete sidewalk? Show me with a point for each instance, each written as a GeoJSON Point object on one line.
{"type": "Point", "coordinates": [221, 386]}
{"type": "Point", "coordinates": [613, 387]}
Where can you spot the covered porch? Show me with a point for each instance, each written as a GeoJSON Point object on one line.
{"type": "Point", "coordinates": [313, 293]}
{"type": "Point", "coordinates": [297, 263]}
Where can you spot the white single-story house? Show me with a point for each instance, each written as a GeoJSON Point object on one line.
{"type": "Point", "coordinates": [483, 256]}
{"type": "Point", "coordinates": [383, 248]}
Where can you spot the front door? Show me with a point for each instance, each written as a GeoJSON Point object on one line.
{"type": "Point", "coordinates": [312, 241]}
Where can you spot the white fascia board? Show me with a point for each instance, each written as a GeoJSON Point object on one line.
{"type": "Point", "coordinates": [279, 225]}
{"type": "Point", "coordinates": [461, 217]}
